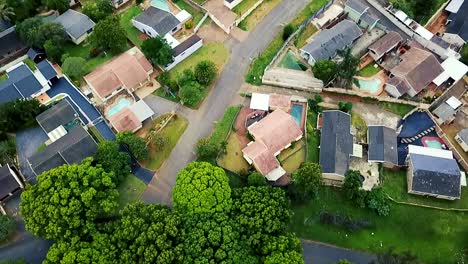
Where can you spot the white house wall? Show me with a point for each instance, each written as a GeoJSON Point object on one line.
{"type": "Point", "coordinates": [185, 54]}
{"type": "Point", "coordinates": [145, 29]}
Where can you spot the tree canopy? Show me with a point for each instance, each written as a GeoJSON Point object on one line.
{"type": "Point", "coordinates": [7, 227]}
{"type": "Point", "coordinates": [35, 32]}
{"type": "Point", "coordinates": [109, 35]}
{"type": "Point", "coordinates": [59, 5]}
{"type": "Point", "coordinates": [74, 67]}
{"type": "Point", "coordinates": [19, 114]}
{"type": "Point", "coordinates": [464, 54]}
{"type": "Point", "coordinates": [202, 188]}
{"type": "Point", "coordinates": [205, 72]}
{"type": "Point", "coordinates": [347, 68]}
{"type": "Point", "coordinates": [325, 70]}
{"type": "Point", "coordinates": [157, 50]}
{"type": "Point", "coordinates": [256, 179]}
{"type": "Point", "coordinates": [113, 160]}
{"type": "Point", "coordinates": [21, 9]}
{"type": "Point", "coordinates": [206, 150]}
{"type": "Point", "coordinates": [306, 181]}
{"type": "Point", "coordinates": [98, 10]}
{"type": "Point", "coordinates": [137, 145]}
{"type": "Point", "coordinates": [190, 93]}
{"type": "Point", "coordinates": [67, 200]}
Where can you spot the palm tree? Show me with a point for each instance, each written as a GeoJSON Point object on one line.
{"type": "Point", "coordinates": [6, 12]}
{"type": "Point", "coordinates": [347, 68]}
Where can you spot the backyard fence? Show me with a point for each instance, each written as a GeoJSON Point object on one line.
{"type": "Point", "coordinates": [428, 206]}
{"type": "Point", "coordinates": [248, 12]}
{"type": "Point", "coordinates": [197, 27]}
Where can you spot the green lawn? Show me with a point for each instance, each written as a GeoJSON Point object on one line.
{"type": "Point", "coordinates": [83, 51]}
{"type": "Point", "coordinates": [258, 65]}
{"type": "Point", "coordinates": [305, 34]}
{"type": "Point", "coordinates": [313, 137]}
{"type": "Point", "coordinates": [294, 161]}
{"type": "Point", "coordinates": [434, 236]}
{"type": "Point", "coordinates": [233, 159]}
{"type": "Point", "coordinates": [172, 132]}
{"type": "Point", "coordinates": [196, 14]}
{"type": "Point", "coordinates": [130, 190]}
{"type": "Point", "coordinates": [399, 109]}
{"type": "Point", "coordinates": [133, 34]}
{"type": "Point", "coordinates": [369, 70]}
{"type": "Point", "coordinates": [31, 64]}
{"type": "Point", "coordinates": [223, 126]}
{"type": "Point", "coordinates": [96, 134]}
{"type": "Point", "coordinates": [244, 6]}
{"type": "Point", "coordinates": [3, 77]}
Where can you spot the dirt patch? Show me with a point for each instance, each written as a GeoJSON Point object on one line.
{"type": "Point", "coordinates": [438, 25]}
{"type": "Point", "coordinates": [212, 33]}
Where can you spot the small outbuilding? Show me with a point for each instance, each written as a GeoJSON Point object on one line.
{"type": "Point", "coordinates": [77, 25]}
{"type": "Point", "coordinates": [383, 148]}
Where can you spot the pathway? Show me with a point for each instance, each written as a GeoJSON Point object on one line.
{"type": "Point", "coordinates": [224, 94]}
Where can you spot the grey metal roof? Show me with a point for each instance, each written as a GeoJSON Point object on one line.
{"type": "Point", "coordinates": [75, 23]}
{"type": "Point", "coordinates": [463, 134]}
{"type": "Point", "coordinates": [444, 111]}
{"type": "Point", "coordinates": [75, 146]}
{"type": "Point", "coordinates": [368, 18]}
{"type": "Point", "coordinates": [21, 83]}
{"type": "Point", "coordinates": [382, 144]}
{"type": "Point", "coordinates": [10, 42]}
{"type": "Point", "coordinates": [336, 142]}
{"type": "Point", "coordinates": [160, 20]}
{"type": "Point", "coordinates": [435, 175]}
{"type": "Point", "coordinates": [326, 43]}
{"type": "Point", "coordinates": [459, 22]}
{"type": "Point", "coordinates": [357, 6]}
{"type": "Point", "coordinates": [46, 69]}
{"type": "Point", "coordinates": [7, 182]}
{"type": "Point", "coordinates": [58, 115]}
{"type": "Point", "coordinates": [192, 40]}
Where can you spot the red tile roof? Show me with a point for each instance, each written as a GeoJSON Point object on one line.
{"type": "Point", "coordinates": [125, 120]}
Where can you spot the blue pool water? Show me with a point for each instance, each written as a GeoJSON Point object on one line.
{"type": "Point", "coordinates": [296, 112]}
{"type": "Point", "coordinates": [371, 86]}
{"type": "Point", "coordinates": [121, 104]}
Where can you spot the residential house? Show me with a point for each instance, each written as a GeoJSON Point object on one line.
{"type": "Point", "coordinates": [382, 147]}
{"type": "Point", "coordinates": [433, 172]}
{"type": "Point", "coordinates": [336, 146]}
{"type": "Point", "coordinates": [11, 182]}
{"type": "Point", "coordinates": [129, 71]}
{"type": "Point", "coordinates": [386, 44]}
{"type": "Point", "coordinates": [462, 139]}
{"type": "Point", "coordinates": [57, 119]}
{"type": "Point", "coordinates": [327, 42]}
{"type": "Point", "coordinates": [358, 12]}
{"type": "Point", "coordinates": [272, 134]}
{"type": "Point", "coordinates": [77, 25]}
{"type": "Point", "coordinates": [457, 22]}
{"type": "Point", "coordinates": [22, 83]}
{"type": "Point", "coordinates": [446, 111]}
{"type": "Point", "coordinates": [270, 102]}
{"type": "Point", "coordinates": [454, 70]}
{"type": "Point", "coordinates": [416, 70]}
{"type": "Point", "coordinates": [231, 3]}
{"type": "Point", "coordinates": [11, 46]}
{"type": "Point", "coordinates": [131, 118]}
{"type": "Point", "coordinates": [184, 49]}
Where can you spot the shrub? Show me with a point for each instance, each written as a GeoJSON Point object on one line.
{"type": "Point", "coordinates": [7, 227]}
{"type": "Point", "coordinates": [256, 179]}
{"type": "Point", "coordinates": [189, 24]}
{"type": "Point", "coordinates": [205, 72]}
{"type": "Point", "coordinates": [343, 221]}
{"type": "Point", "coordinates": [288, 30]}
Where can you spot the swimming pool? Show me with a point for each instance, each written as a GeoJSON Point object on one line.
{"type": "Point", "coordinates": [290, 61]}
{"type": "Point", "coordinates": [432, 142]}
{"type": "Point", "coordinates": [121, 104]}
{"type": "Point", "coordinates": [296, 112]}
{"type": "Point", "coordinates": [371, 86]}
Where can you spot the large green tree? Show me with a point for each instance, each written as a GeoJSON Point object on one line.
{"type": "Point", "coordinates": [202, 188]}
{"type": "Point", "coordinates": [347, 68]}
{"type": "Point", "coordinates": [67, 201]}
{"type": "Point", "coordinates": [214, 238]}
{"type": "Point", "coordinates": [22, 9]}
{"type": "Point", "coordinates": [59, 5]}
{"type": "Point", "coordinates": [190, 93]}
{"type": "Point", "coordinates": [7, 227]}
{"type": "Point", "coordinates": [109, 35]}
{"type": "Point", "coordinates": [157, 50]}
{"type": "Point", "coordinates": [6, 12]}
{"type": "Point", "coordinates": [35, 32]}
{"type": "Point", "coordinates": [19, 114]}
{"type": "Point", "coordinates": [136, 144]}
{"type": "Point", "coordinates": [73, 67]}
{"type": "Point", "coordinates": [113, 160]}
{"type": "Point", "coordinates": [98, 10]}
{"type": "Point", "coordinates": [352, 187]}
{"type": "Point", "coordinates": [325, 70]}
{"type": "Point", "coordinates": [205, 72]}
{"type": "Point", "coordinates": [306, 181]}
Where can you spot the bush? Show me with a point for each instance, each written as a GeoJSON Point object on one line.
{"type": "Point", "coordinates": [205, 72]}
{"type": "Point", "coordinates": [288, 30]}
{"type": "Point", "coordinates": [206, 150]}
{"type": "Point", "coordinates": [73, 67]}
{"type": "Point", "coordinates": [256, 179]}
{"type": "Point", "coordinates": [136, 144]}
{"type": "Point", "coordinates": [189, 24]}
{"type": "Point", "coordinates": [377, 200]}
{"type": "Point", "coordinates": [345, 106]}
{"type": "Point", "coordinates": [7, 227]}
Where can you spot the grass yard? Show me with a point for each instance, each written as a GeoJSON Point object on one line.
{"type": "Point", "coordinates": [3, 77]}
{"type": "Point", "coordinates": [83, 51]}
{"type": "Point", "coordinates": [172, 132]}
{"type": "Point", "coordinates": [369, 70]}
{"type": "Point", "coordinates": [161, 93]}
{"type": "Point", "coordinates": [244, 6]}
{"type": "Point", "coordinates": [233, 159]}
{"type": "Point", "coordinates": [433, 236]}
{"type": "Point", "coordinates": [223, 126]}
{"type": "Point", "coordinates": [96, 134]}
{"type": "Point", "coordinates": [304, 35]}
{"type": "Point", "coordinates": [130, 190]}
{"type": "Point", "coordinates": [31, 64]}
{"type": "Point", "coordinates": [399, 109]}
{"type": "Point", "coordinates": [251, 21]}
{"type": "Point", "coordinates": [313, 137]}
{"type": "Point", "coordinates": [360, 125]}
{"type": "Point", "coordinates": [196, 14]}
{"type": "Point", "coordinates": [132, 33]}
{"type": "Point", "coordinates": [258, 65]}
{"type": "Point", "coordinates": [294, 158]}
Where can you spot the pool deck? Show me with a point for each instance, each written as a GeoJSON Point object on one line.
{"type": "Point", "coordinates": [380, 75]}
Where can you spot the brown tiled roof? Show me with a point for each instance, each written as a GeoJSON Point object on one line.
{"type": "Point", "coordinates": [127, 70]}
{"type": "Point", "coordinates": [418, 67]}
{"type": "Point", "coordinates": [386, 43]}
{"type": "Point", "coordinates": [125, 120]}
{"type": "Point", "coordinates": [272, 134]}
{"type": "Point", "coordinates": [400, 84]}
{"type": "Point", "coordinates": [279, 101]}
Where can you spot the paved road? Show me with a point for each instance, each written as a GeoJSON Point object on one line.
{"type": "Point", "coordinates": [320, 253]}
{"type": "Point", "coordinates": [224, 94]}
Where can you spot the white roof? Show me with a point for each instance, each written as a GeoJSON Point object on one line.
{"type": "Point", "coordinates": [454, 6]}
{"type": "Point", "coordinates": [275, 174]}
{"type": "Point", "coordinates": [141, 110]}
{"type": "Point", "coordinates": [57, 133]}
{"type": "Point", "coordinates": [453, 68]}
{"type": "Point", "coordinates": [171, 40]}
{"type": "Point", "coordinates": [423, 32]}
{"type": "Point", "coordinates": [454, 102]}
{"type": "Point", "coordinates": [463, 178]}
{"type": "Point", "coordinates": [260, 101]}
{"type": "Point", "coordinates": [183, 16]}
{"type": "Point", "coordinates": [433, 152]}
{"type": "Point", "coordinates": [357, 151]}
{"type": "Point", "coordinates": [401, 15]}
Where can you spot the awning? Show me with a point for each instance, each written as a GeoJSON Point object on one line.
{"type": "Point", "coordinates": [260, 101]}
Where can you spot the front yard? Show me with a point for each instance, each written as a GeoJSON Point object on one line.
{"type": "Point", "coordinates": [257, 15]}
{"type": "Point", "coordinates": [130, 190]}
{"type": "Point", "coordinates": [83, 51]}
{"type": "Point", "coordinates": [434, 236]}
{"type": "Point", "coordinates": [133, 34]}
{"type": "Point", "coordinates": [171, 132]}
{"type": "Point", "coordinates": [233, 159]}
